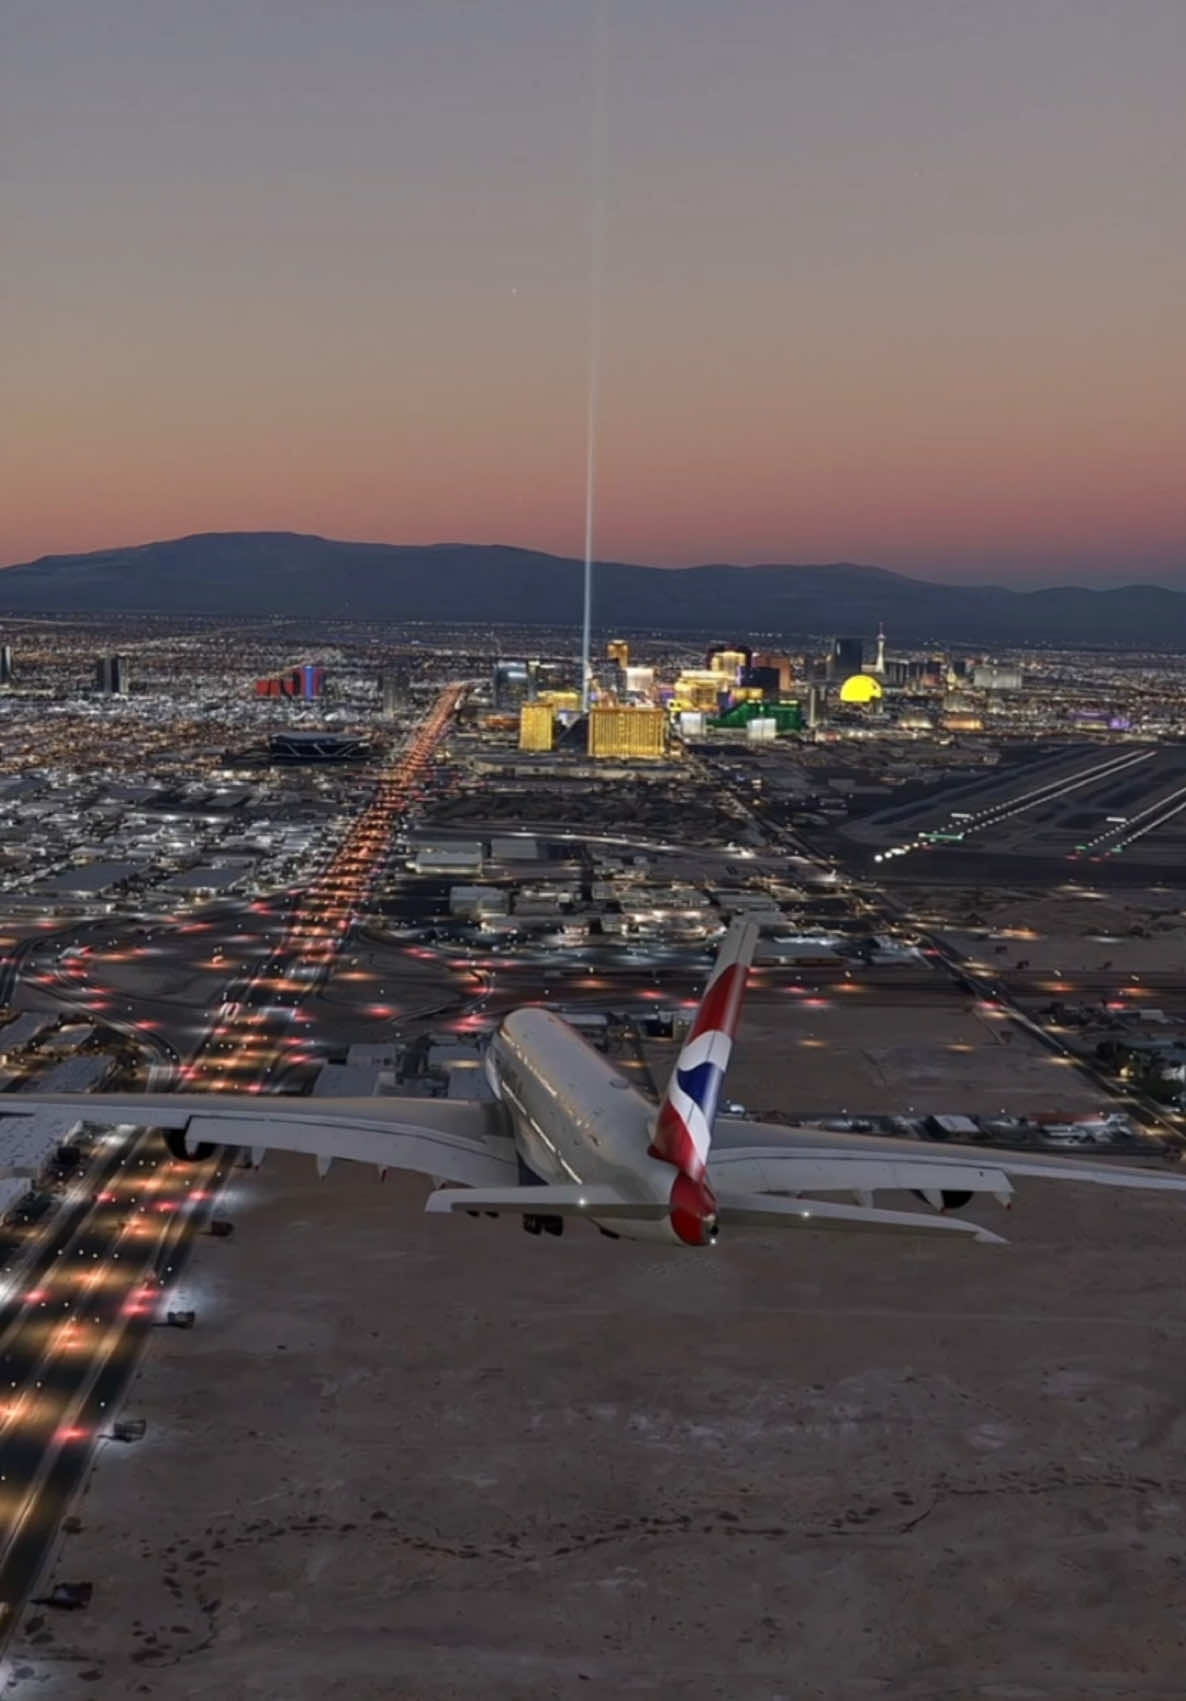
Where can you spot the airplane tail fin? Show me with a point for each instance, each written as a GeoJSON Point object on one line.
{"type": "Point", "coordinates": [683, 1128]}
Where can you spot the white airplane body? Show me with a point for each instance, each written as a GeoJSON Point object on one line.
{"type": "Point", "coordinates": [569, 1137]}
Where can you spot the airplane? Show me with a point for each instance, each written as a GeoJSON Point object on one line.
{"type": "Point", "coordinates": [568, 1137]}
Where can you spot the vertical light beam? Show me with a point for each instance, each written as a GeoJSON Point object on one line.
{"type": "Point", "coordinates": [598, 171]}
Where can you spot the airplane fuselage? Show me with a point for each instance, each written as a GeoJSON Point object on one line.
{"type": "Point", "coordinates": [575, 1118]}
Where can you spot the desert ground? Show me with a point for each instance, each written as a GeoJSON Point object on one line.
{"type": "Point", "coordinates": [439, 1459]}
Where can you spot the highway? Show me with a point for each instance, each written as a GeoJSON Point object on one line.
{"type": "Point", "coordinates": [84, 1289]}
{"type": "Point", "coordinates": [247, 1044]}
{"type": "Point", "coordinates": [72, 1331]}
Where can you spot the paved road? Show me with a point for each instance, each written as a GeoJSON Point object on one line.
{"type": "Point", "coordinates": [96, 1278]}
{"type": "Point", "coordinates": [246, 1048]}
{"type": "Point", "coordinates": [71, 1335]}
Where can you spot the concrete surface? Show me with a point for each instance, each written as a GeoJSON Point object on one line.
{"type": "Point", "coordinates": [440, 1459]}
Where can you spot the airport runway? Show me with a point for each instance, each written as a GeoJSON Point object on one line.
{"type": "Point", "coordinates": [1117, 807]}
{"type": "Point", "coordinates": [883, 913]}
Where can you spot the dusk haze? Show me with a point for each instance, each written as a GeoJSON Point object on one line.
{"type": "Point", "coordinates": [898, 284]}
{"type": "Point", "coordinates": [592, 850]}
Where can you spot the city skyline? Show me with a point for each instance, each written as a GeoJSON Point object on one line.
{"type": "Point", "coordinates": [899, 290]}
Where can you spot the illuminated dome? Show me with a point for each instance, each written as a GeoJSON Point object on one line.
{"type": "Point", "coordinates": [861, 689]}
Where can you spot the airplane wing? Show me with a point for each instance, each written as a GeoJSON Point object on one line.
{"type": "Point", "coordinates": [759, 1158]}
{"type": "Point", "coordinates": [606, 1204]}
{"type": "Point", "coordinates": [451, 1140]}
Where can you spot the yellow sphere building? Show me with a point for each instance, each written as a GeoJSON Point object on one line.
{"type": "Point", "coordinates": [860, 691]}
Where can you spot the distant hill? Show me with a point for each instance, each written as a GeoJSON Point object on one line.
{"type": "Point", "coordinates": [260, 573]}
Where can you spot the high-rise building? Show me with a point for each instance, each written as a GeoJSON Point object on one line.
{"type": "Point", "coordinates": [388, 693]}
{"type": "Point", "coordinates": [700, 688]}
{"type": "Point", "coordinates": [848, 656]}
{"type": "Point", "coordinates": [735, 649]}
{"type": "Point", "coordinates": [537, 723]}
{"type": "Point", "coordinates": [306, 681]}
{"type": "Point", "coordinates": [763, 679]}
{"type": "Point", "coordinates": [988, 676]}
{"type": "Point", "coordinates": [611, 680]}
{"type": "Point", "coordinates": [5, 664]}
{"type": "Point", "coordinates": [111, 676]}
{"type": "Point", "coordinates": [728, 662]}
{"type": "Point", "coordinates": [631, 733]}
{"type": "Point", "coordinates": [555, 674]}
{"type": "Point", "coordinates": [879, 664]}
{"type": "Point", "coordinates": [512, 683]}
{"type": "Point", "coordinates": [770, 658]}
{"type": "Point", "coordinates": [618, 650]}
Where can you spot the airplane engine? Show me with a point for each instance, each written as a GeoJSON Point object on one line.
{"type": "Point", "coordinates": [951, 1200]}
{"type": "Point", "coordinates": [175, 1140]}
{"type": "Point", "coordinates": [693, 1211]}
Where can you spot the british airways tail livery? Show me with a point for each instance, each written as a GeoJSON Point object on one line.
{"type": "Point", "coordinates": [683, 1129]}
{"type": "Point", "coordinates": [568, 1136]}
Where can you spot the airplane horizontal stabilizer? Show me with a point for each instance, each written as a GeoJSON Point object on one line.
{"type": "Point", "coordinates": [764, 1210]}
{"type": "Point", "coordinates": [567, 1200]}
{"type": "Point", "coordinates": [764, 1169]}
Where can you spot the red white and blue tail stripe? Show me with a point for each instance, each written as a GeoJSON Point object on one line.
{"type": "Point", "coordinates": [683, 1129]}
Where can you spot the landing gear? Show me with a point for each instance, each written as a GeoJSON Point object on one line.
{"type": "Point", "coordinates": [542, 1225]}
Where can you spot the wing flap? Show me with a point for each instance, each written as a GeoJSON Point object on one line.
{"type": "Point", "coordinates": [564, 1200]}
{"type": "Point", "coordinates": [768, 1211]}
{"type": "Point", "coordinates": [457, 1141]}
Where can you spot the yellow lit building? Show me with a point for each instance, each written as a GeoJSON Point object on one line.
{"type": "Point", "coordinates": [729, 662]}
{"type": "Point", "coordinates": [861, 689]}
{"type": "Point", "coordinates": [628, 732]}
{"type": "Point", "coordinates": [560, 699]}
{"type": "Point", "coordinates": [536, 726]}
{"type": "Point", "coordinates": [698, 688]}
{"type": "Point", "coordinates": [618, 650]}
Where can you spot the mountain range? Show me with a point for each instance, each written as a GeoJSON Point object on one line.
{"type": "Point", "coordinates": [253, 574]}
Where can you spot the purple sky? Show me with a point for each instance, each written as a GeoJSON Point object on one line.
{"type": "Point", "coordinates": [900, 281]}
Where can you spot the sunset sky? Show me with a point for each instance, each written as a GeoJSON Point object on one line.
{"type": "Point", "coordinates": [895, 281]}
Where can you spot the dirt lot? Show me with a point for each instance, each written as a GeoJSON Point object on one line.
{"type": "Point", "coordinates": [1141, 932]}
{"type": "Point", "coordinates": [835, 1051]}
{"type": "Point", "coordinates": [426, 1459]}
